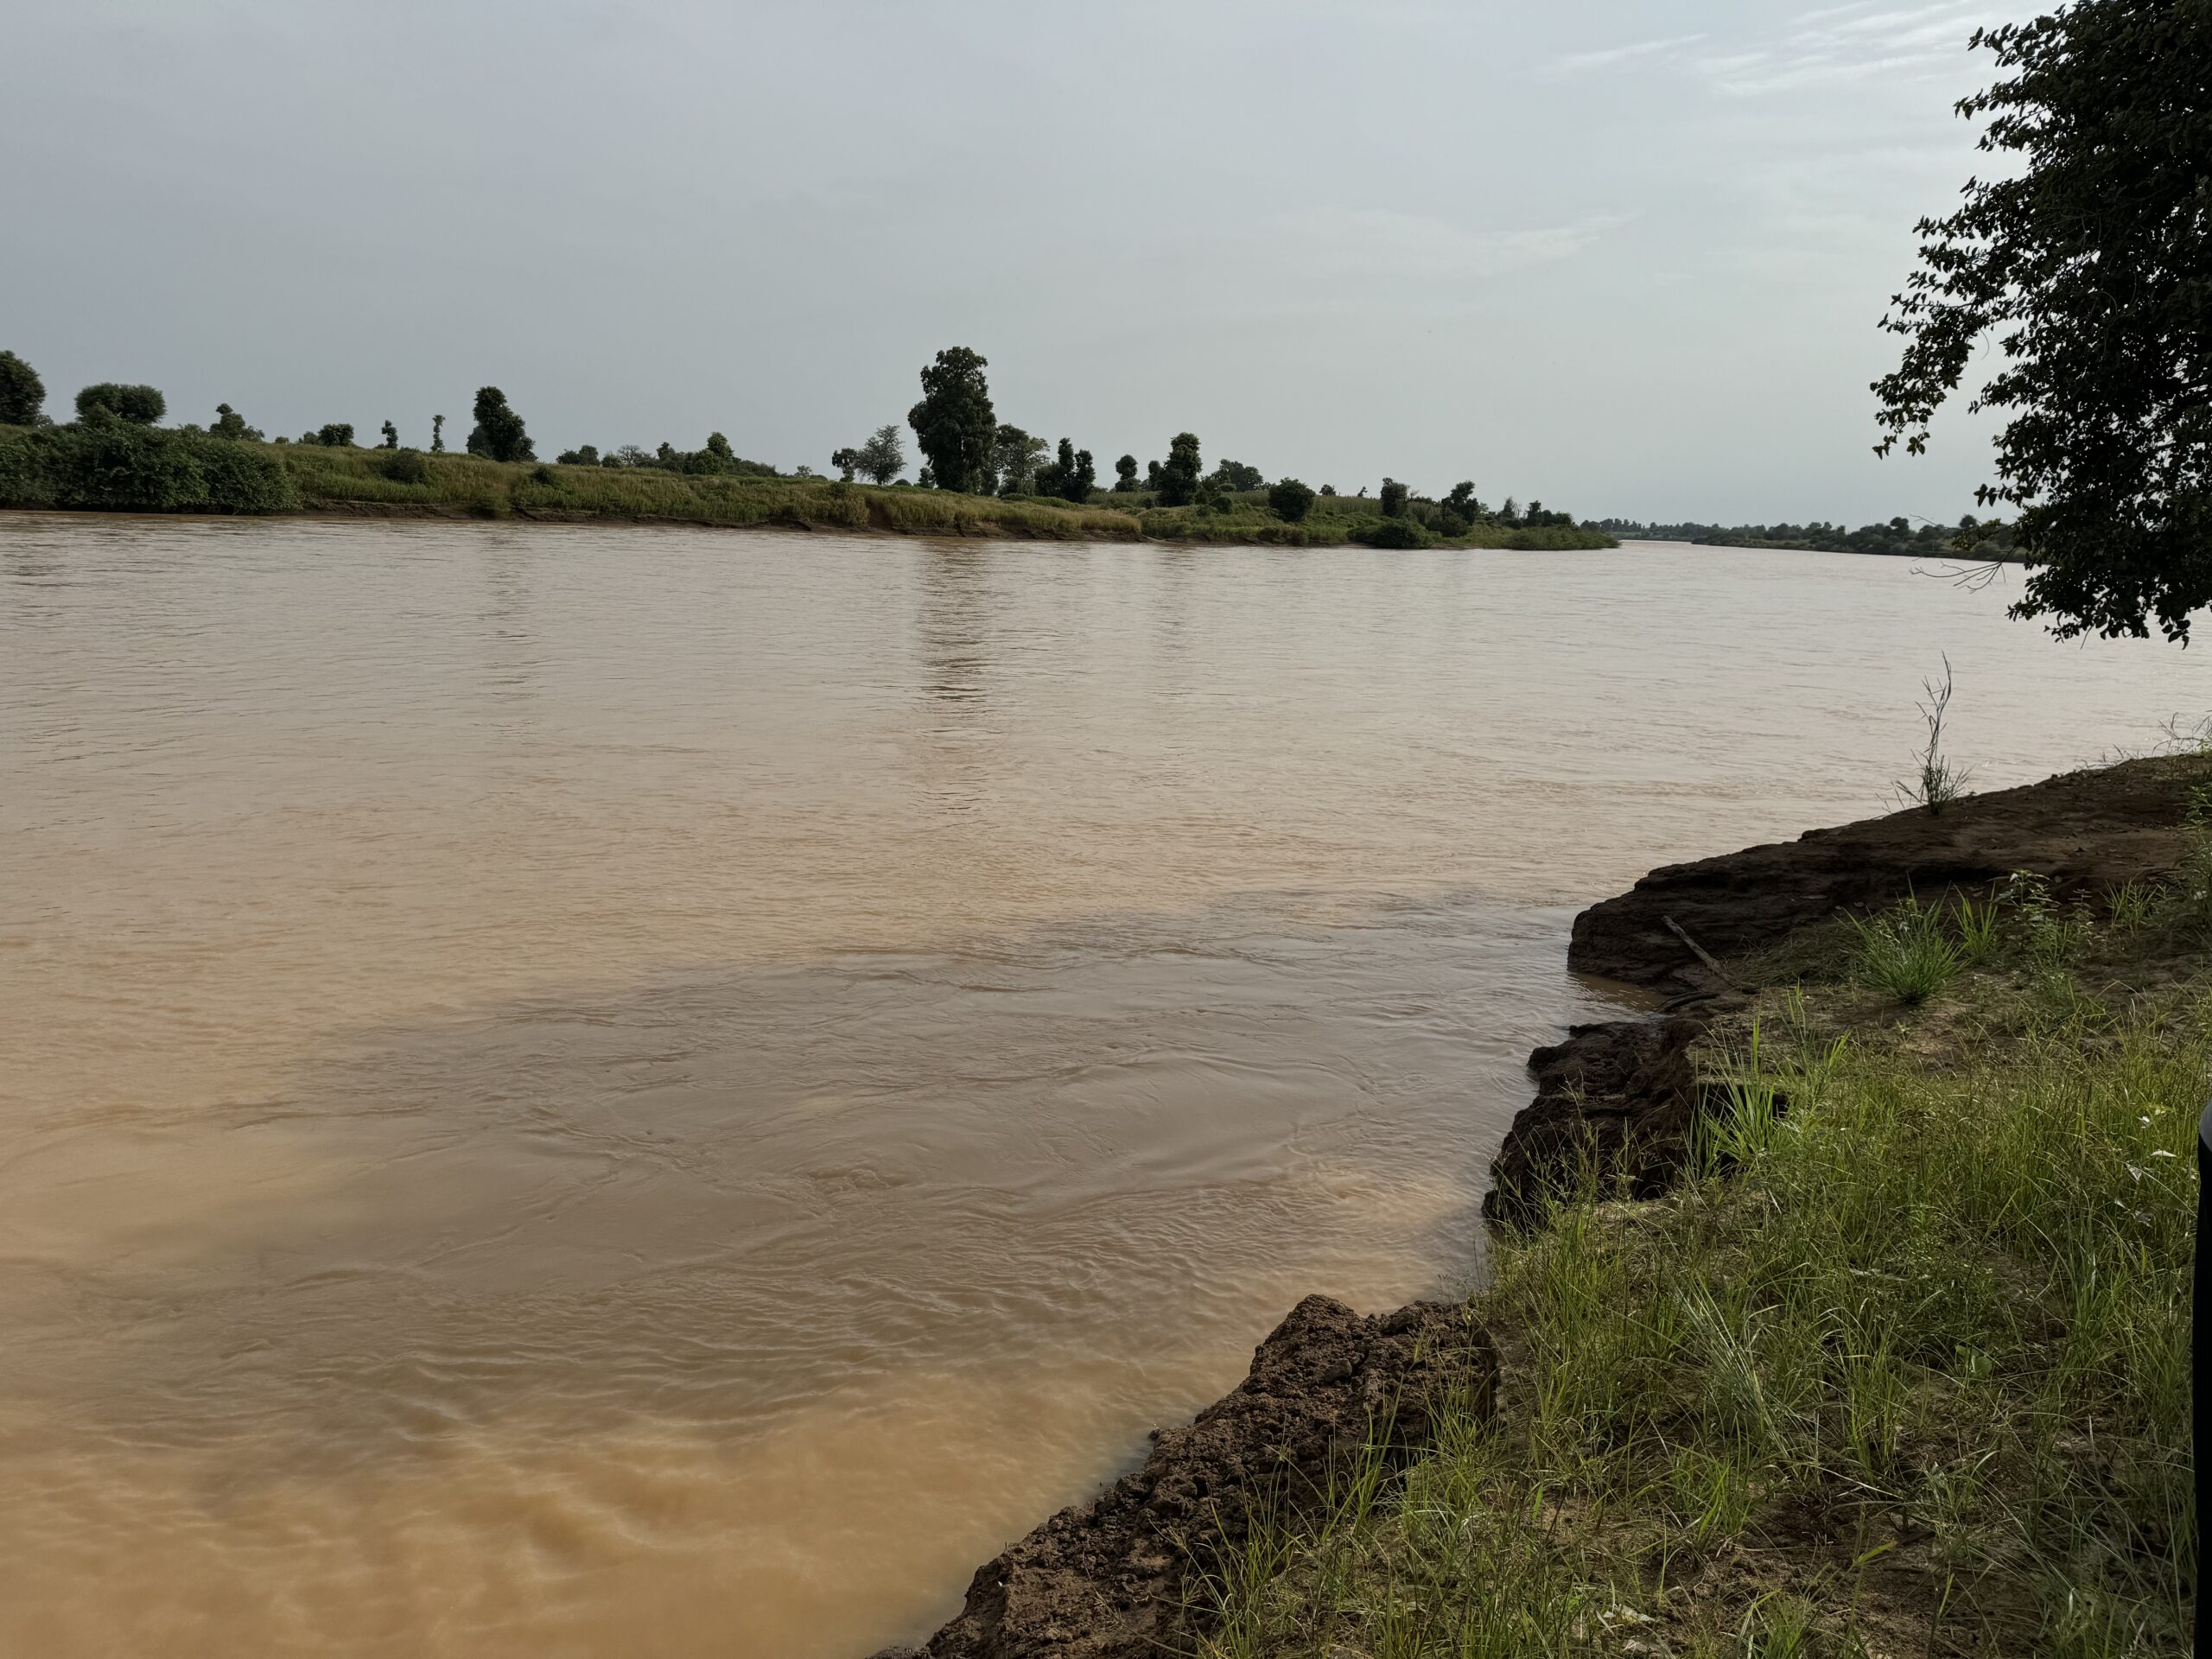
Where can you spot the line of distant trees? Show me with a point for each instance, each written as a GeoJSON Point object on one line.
{"type": "Point", "coordinates": [1898, 537]}
{"type": "Point", "coordinates": [964, 445]}
{"type": "Point", "coordinates": [966, 448]}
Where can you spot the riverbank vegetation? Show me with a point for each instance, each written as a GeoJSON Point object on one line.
{"type": "Point", "coordinates": [980, 476]}
{"type": "Point", "coordinates": [1904, 1365]}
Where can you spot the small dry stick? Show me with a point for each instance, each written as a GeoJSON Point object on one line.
{"type": "Point", "coordinates": [1699, 950]}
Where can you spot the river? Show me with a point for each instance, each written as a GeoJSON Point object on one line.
{"type": "Point", "coordinates": [621, 1091]}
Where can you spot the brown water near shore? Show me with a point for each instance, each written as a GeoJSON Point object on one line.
{"type": "Point", "coordinates": [571, 1091]}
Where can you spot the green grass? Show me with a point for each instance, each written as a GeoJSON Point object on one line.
{"type": "Point", "coordinates": [1903, 1370]}
{"type": "Point", "coordinates": [1909, 953]}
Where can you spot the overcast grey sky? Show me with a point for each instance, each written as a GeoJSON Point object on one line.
{"type": "Point", "coordinates": [1626, 255]}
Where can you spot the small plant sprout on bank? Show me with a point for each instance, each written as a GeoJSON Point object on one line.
{"type": "Point", "coordinates": [1940, 781]}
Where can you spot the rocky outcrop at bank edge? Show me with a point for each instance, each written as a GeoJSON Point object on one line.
{"type": "Point", "coordinates": [1619, 1099]}
{"type": "Point", "coordinates": [1110, 1580]}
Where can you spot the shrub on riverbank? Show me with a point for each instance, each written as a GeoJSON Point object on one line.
{"type": "Point", "coordinates": [113, 464]}
{"type": "Point", "coordinates": [1905, 1370]}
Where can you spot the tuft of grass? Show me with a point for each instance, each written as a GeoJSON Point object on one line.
{"type": "Point", "coordinates": [1976, 924]}
{"type": "Point", "coordinates": [1905, 952]}
{"type": "Point", "coordinates": [1910, 1374]}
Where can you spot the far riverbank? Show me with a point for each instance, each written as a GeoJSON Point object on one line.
{"type": "Point", "coordinates": [307, 479]}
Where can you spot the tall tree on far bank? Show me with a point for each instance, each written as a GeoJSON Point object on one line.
{"type": "Point", "coordinates": [2091, 263]}
{"type": "Point", "coordinates": [883, 457]}
{"type": "Point", "coordinates": [391, 435]}
{"type": "Point", "coordinates": [1125, 476]}
{"type": "Point", "coordinates": [1016, 458]}
{"type": "Point", "coordinates": [498, 434]}
{"type": "Point", "coordinates": [1178, 478]}
{"type": "Point", "coordinates": [954, 424]}
{"type": "Point", "coordinates": [1073, 476]}
{"type": "Point", "coordinates": [22, 394]}
{"type": "Point", "coordinates": [437, 434]}
{"type": "Point", "coordinates": [140, 405]}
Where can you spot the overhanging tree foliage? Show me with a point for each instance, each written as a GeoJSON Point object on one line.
{"type": "Point", "coordinates": [2093, 268]}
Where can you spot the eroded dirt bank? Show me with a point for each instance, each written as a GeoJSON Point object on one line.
{"type": "Point", "coordinates": [1115, 1578]}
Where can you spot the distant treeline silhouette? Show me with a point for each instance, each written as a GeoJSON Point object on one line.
{"type": "Point", "coordinates": [1899, 537]}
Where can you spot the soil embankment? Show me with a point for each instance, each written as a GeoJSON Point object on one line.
{"type": "Point", "coordinates": [1114, 1579]}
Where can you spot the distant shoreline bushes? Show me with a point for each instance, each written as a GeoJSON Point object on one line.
{"type": "Point", "coordinates": [1898, 538]}
{"type": "Point", "coordinates": [112, 464]}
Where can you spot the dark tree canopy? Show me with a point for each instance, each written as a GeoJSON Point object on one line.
{"type": "Point", "coordinates": [846, 461]}
{"type": "Point", "coordinates": [231, 425]}
{"type": "Point", "coordinates": [954, 424]}
{"type": "Point", "coordinates": [1071, 476]}
{"type": "Point", "coordinates": [22, 394]}
{"type": "Point", "coordinates": [1125, 476]}
{"type": "Point", "coordinates": [498, 434]}
{"type": "Point", "coordinates": [2092, 266]}
{"type": "Point", "coordinates": [1393, 498]}
{"type": "Point", "coordinates": [1179, 479]}
{"type": "Point", "coordinates": [1291, 499]}
{"type": "Point", "coordinates": [141, 405]}
{"type": "Point", "coordinates": [437, 434]}
{"type": "Point", "coordinates": [391, 435]}
{"type": "Point", "coordinates": [1235, 475]}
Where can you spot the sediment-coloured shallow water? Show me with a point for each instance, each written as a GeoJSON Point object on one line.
{"type": "Point", "coordinates": [584, 1091]}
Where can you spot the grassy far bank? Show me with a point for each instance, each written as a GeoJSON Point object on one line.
{"type": "Point", "coordinates": [1905, 1368]}
{"type": "Point", "coordinates": [314, 479]}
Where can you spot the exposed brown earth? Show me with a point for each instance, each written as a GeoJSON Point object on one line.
{"type": "Point", "coordinates": [2084, 830]}
{"type": "Point", "coordinates": [1114, 1578]}
{"type": "Point", "coordinates": [1616, 1101]}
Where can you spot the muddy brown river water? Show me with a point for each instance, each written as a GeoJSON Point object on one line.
{"type": "Point", "coordinates": [580, 1092]}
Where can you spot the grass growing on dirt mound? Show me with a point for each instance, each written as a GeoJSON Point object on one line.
{"type": "Point", "coordinates": [1904, 1369]}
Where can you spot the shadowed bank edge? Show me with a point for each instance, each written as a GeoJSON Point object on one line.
{"type": "Point", "coordinates": [1220, 1543]}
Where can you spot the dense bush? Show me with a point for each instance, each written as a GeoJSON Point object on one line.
{"type": "Point", "coordinates": [332, 435]}
{"type": "Point", "coordinates": [1390, 533]}
{"type": "Point", "coordinates": [116, 465]}
{"type": "Point", "coordinates": [1291, 499]}
{"type": "Point", "coordinates": [403, 467]}
{"type": "Point", "coordinates": [141, 405]}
